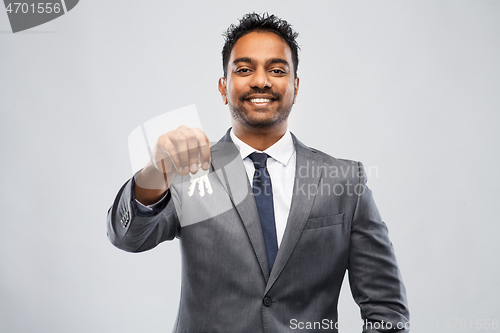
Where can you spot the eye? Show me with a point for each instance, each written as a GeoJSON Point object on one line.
{"type": "Point", "coordinates": [278, 71]}
{"type": "Point", "coordinates": [243, 70]}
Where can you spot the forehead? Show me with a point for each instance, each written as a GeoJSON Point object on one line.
{"type": "Point", "coordinates": [261, 45]}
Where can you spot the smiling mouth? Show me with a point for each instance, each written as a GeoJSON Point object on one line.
{"type": "Point", "coordinates": [260, 100]}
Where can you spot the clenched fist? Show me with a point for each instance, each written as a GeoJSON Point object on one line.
{"type": "Point", "coordinates": [177, 152]}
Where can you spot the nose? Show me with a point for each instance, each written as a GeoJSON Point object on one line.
{"type": "Point", "coordinates": [260, 79]}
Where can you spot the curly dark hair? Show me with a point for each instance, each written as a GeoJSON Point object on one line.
{"type": "Point", "coordinates": [252, 22]}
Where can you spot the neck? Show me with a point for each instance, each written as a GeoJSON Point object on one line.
{"type": "Point", "coordinates": [259, 138]}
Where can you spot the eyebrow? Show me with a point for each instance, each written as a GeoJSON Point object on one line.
{"type": "Point", "coordinates": [268, 62]}
{"type": "Point", "coordinates": [277, 61]}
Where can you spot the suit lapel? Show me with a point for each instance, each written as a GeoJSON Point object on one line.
{"type": "Point", "coordinates": [300, 208]}
{"type": "Point", "coordinates": [228, 166]}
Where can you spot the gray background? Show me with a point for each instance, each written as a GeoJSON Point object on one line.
{"type": "Point", "coordinates": [408, 87]}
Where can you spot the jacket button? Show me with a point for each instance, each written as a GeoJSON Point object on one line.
{"type": "Point", "coordinates": [267, 301]}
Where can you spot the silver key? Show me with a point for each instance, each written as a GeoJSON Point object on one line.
{"type": "Point", "coordinates": [200, 179]}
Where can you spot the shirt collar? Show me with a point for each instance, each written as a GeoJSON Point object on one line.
{"type": "Point", "coordinates": [281, 151]}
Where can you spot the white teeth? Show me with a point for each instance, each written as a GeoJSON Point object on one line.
{"type": "Point", "coordinates": [260, 100]}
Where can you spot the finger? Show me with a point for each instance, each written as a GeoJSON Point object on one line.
{"type": "Point", "coordinates": [193, 148]}
{"type": "Point", "coordinates": [181, 146]}
{"type": "Point", "coordinates": [166, 156]}
{"type": "Point", "coordinates": [204, 146]}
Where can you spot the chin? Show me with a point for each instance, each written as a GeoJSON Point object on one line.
{"type": "Point", "coordinates": [259, 119]}
{"type": "Point", "coordinates": [260, 123]}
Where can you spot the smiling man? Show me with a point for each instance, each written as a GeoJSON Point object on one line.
{"type": "Point", "coordinates": [268, 251]}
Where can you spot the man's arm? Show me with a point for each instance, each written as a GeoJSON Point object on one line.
{"type": "Point", "coordinates": [177, 152]}
{"type": "Point", "coordinates": [131, 230]}
{"type": "Point", "coordinates": [376, 283]}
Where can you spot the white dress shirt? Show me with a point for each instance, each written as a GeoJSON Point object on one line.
{"type": "Point", "coordinates": [281, 167]}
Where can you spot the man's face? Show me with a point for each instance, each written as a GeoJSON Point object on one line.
{"type": "Point", "coordinates": [260, 87]}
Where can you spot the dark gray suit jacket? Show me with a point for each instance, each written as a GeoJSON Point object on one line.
{"type": "Point", "coordinates": [333, 226]}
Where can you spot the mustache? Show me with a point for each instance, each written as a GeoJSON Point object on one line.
{"type": "Point", "coordinates": [257, 91]}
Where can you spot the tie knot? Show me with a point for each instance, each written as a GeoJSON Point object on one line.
{"type": "Point", "coordinates": [259, 159]}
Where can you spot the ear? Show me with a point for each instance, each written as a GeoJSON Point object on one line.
{"type": "Point", "coordinates": [222, 89]}
{"type": "Point", "coordinates": [296, 88]}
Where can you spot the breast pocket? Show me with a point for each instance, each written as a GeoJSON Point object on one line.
{"type": "Point", "coordinates": [320, 222]}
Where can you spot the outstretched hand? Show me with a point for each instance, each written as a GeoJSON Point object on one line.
{"type": "Point", "coordinates": [177, 152]}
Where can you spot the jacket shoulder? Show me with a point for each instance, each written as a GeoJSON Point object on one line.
{"type": "Point", "coordinates": [331, 160]}
{"type": "Point", "coordinates": [327, 159]}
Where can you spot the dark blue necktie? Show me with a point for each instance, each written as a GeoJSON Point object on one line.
{"type": "Point", "coordinates": [263, 192]}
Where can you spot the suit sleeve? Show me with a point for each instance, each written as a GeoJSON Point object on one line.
{"type": "Point", "coordinates": [133, 231]}
{"type": "Point", "coordinates": [374, 277]}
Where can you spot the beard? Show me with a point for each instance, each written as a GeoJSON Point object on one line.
{"type": "Point", "coordinates": [245, 117]}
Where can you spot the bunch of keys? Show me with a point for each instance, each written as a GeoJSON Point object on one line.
{"type": "Point", "coordinates": [200, 178]}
